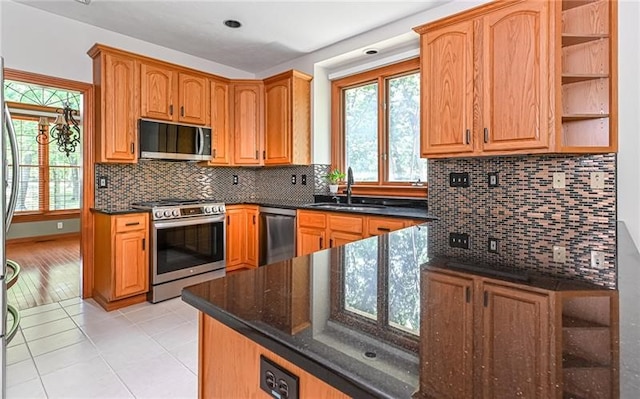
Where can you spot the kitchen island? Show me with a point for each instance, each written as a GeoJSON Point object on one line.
{"type": "Point", "coordinates": [347, 321]}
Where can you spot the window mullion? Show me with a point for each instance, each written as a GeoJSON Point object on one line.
{"type": "Point", "coordinates": [382, 149]}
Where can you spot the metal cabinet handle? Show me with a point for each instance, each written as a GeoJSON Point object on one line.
{"type": "Point", "coordinates": [132, 224]}
{"type": "Point", "coordinates": [321, 242]}
{"type": "Point", "coordinates": [133, 148]}
{"type": "Point", "coordinates": [486, 299]}
{"type": "Point", "coordinates": [486, 135]}
{"type": "Point", "coordinates": [264, 154]}
{"type": "Point", "coordinates": [256, 154]}
{"type": "Point", "coordinates": [228, 221]}
{"type": "Point", "coordinates": [331, 243]}
{"type": "Point", "coordinates": [384, 229]}
{"type": "Point", "coordinates": [144, 244]}
{"type": "Point", "coordinates": [182, 110]}
{"type": "Point", "coordinates": [468, 294]}
{"type": "Point", "coordinates": [171, 109]}
{"type": "Point", "coordinates": [214, 152]}
{"type": "Point", "coordinates": [468, 136]}
{"type": "Point", "coordinates": [254, 219]}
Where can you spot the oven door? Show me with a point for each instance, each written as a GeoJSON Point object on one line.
{"type": "Point", "coordinates": [187, 247]}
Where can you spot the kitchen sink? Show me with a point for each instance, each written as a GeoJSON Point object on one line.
{"type": "Point", "coordinates": [346, 207]}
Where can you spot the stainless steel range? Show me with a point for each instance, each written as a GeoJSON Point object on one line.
{"type": "Point", "coordinates": [187, 243]}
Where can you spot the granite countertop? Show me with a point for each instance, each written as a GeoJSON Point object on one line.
{"type": "Point", "coordinates": [116, 210]}
{"type": "Point", "coordinates": [345, 294]}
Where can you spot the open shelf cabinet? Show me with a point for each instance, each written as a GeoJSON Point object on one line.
{"type": "Point", "coordinates": [589, 342]}
{"type": "Point", "coordinates": [588, 76]}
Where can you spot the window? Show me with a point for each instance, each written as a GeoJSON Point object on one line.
{"type": "Point", "coordinates": [376, 126]}
{"type": "Point", "coordinates": [378, 285]}
{"type": "Point", "coordinates": [49, 180]}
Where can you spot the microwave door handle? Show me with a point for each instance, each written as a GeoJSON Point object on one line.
{"type": "Point", "coordinates": [200, 141]}
{"type": "Point", "coordinates": [13, 142]}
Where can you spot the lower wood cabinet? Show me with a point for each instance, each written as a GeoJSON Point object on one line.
{"type": "Point", "coordinates": [121, 259]}
{"type": "Point", "coordinates": [230, 366]}
{"type": "Point", "coordinates": [318, 230]}
{"type": "Point", "coordinates": [482, 337]}
{"type": "Point", "coordinates": [242, 236]}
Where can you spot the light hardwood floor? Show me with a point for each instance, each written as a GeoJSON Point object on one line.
{"type": "Point", "coordinates": [50, 272]}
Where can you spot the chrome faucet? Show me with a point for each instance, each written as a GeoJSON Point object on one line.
{"type": "Point", "coordinates": [349, 184]}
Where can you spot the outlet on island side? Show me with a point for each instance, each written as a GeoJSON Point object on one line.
{"type": "Point", "coordinates": [277, 381]}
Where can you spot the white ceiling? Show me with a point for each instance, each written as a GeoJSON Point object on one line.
{"type": "Point", "coordinates": [272, 32]}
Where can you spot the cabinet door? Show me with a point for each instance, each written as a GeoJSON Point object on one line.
{"type": "Point", "coordinates": [251, 237]}
{"type": "Point", "coordinates": [310, 240]}
{"type": "Point", "coordinates": [446, 331]}
{"type": "Point", "coordinates": [278, 123]}
{"type": "Point", "coordinates": [338, 238]}
{"type": "Point", "coordinates": [515, 343]}
{"type": "Point", "coordinates": [156, 92]}
{"type": "Point", "coordinates": [515, 73]}
{"type": "Point", "coordinates": [235, 232]}
{"type": "Point", "coordinates": [377, 226]}
{"type": "Point", "coordinates": [131, 269]}
{"type": "Point", "coordinates": [193, 99]}
{"type": "Point", "coordinates": [220, 135]}
{"type": "Point", "coordinates": [247, 124]}
{"type": "Point", "coordinates": [118, 119]}
{"type": "Point", "coordinates": [447, 90]}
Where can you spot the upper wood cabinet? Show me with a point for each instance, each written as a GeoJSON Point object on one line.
{"type": "Point", "coordinates": [248, 123]}
{"type": "Point", "coordinates": [220, 123]}
{"type": "Point", "coordinates": [116, 112]}
{"type": "Point", "coordinates": [509, 78]}
{"type": "Point", "coordinates": [287, 119]}
{"type": "Point", "coordinates": [173, 95]}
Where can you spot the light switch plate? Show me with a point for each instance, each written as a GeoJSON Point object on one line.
{"type": "Point", "coordinates": [559, 180]}
{"type": "Point", "coordinates": [597, 180]}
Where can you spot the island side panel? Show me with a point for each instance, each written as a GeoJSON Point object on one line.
{"type": "Point", "coordinates": [229, 366]}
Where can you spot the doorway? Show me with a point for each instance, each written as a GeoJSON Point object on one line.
{"type": "Point", "coordinates": [53, 202]}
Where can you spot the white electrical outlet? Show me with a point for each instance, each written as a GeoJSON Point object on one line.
{"type": "Point", "coordinates": [559, 254]}
{"type": "Point", "coordinates": [559, 180]}
{"type": "Point", "coordinates": [597, 259]}
{"type": "Point", "coordinates": [597, 180]}
{"type": "Point", "coordinates": [60, 225]}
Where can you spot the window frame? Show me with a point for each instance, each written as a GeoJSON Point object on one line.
{"type": "Point", "coordinates": [44, 213]}
{"type": "Point", "coordinates": [380, 76]}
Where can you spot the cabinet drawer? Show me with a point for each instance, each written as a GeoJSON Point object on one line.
{"type": "Point", "coordinates": [384, 225]}
{"type": "Point", "coordinates": [312, 219]}
{"type": "Point", "coordinates": [131, 222]}
{"type": "Point", "coordinates": [347, 224]}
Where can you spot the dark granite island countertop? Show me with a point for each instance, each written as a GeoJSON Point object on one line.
{"type": "Point", "coordinates": [354, 311]}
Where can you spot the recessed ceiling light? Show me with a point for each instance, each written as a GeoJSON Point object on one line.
{"type": "Point", "coordinates": [370, 51]}
{"type": "Point", "coordinates": [232, 23]}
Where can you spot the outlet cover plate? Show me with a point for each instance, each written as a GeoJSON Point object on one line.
{"type": "Point", "coordinates": [597, 259]}
{"type": "Point", "coordinates": [559, 254]}
{"type": "Point", "coordinates": [293, 179]}
{"type": "Point", "coordinates": [493, 245]}
{"type": "Point", "coordinates": [492, 179]}
{"type": "Point", "coordinates": [597, 180]}
{"type": "Point", "coordinates": [559, 180]}
{"type": "Point", "coordinates": [282, 379]}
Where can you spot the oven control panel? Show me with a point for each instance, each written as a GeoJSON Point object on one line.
{"type": "Point", "coordinates": [179, 212]}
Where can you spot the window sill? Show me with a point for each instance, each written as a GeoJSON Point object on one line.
{"type": "Point", "coordinates": [43, 217]}
{"type": "Point", "coordinates": [386, 191]}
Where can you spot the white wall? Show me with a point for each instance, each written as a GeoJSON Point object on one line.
{"type": "Point", "coordinates": [40, 42]}
{"type": "Point", "coordinates": [629, 116]}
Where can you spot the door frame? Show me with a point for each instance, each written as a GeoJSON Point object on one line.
{"type": "Point", "coordinates": [88, 165]}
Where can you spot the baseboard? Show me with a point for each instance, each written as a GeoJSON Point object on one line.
{"type": "Point", "coordinates": [117, 304]}
{"type": "Point", "coordinates": [36, 239]}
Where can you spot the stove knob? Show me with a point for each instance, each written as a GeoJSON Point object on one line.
{"type": "Point", "coordinates": [167, 213]}
{"type": "Point", "coordinates": [221, 209]}
{"type": "Point", "coordinates": [208, 209]}
{"type": "Point", "coordinates": [175, 213]}
{"type": "Point", "coordinates": [158, 214]}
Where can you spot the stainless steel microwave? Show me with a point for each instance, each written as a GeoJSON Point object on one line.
{"type": "Point", "coordinates": [159, 140]}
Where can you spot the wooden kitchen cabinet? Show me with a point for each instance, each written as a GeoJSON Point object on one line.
{"type": "Point", "coordinates": [242, 236]}
{"type": "Point", "coordinates": [287, 119]}
{"type": "Point", "coordinates": [221, 142]}
{"type": "Point", "coordinates": [121, 259]}
{"type": "Point", "coordinates": [248, 123]}
{"type": "Point", "coordinates": [483, 337]}
{"type": "Point", "coordinates": [116, 111]}
{"type": "Point", "coordinates": [311, 232]}
{"type": "Point", "coordinates": [382, 225]}
{"type": "Point", "coordinates": [173, 95]}
{"type": "Point", "coordinates": [520, 77]}
{"type": "Point", "coordinates": [343, 228]}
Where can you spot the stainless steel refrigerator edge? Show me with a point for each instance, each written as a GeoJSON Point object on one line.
{"type": "Point", "coordinates": [277, 235]}
{"type": "Point", "coordinates": [7, 215]}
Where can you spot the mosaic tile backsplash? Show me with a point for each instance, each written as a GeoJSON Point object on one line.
{"type": "Point", "coordinates": [527, 215]}
{"type": "Point", "coordinates": [151, 180]}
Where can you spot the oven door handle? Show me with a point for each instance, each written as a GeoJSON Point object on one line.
{"type": "Point", "coordinates": [162, 224]}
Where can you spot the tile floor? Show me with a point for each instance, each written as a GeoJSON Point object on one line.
{"type": "Point", "coordinates": [74, 349]}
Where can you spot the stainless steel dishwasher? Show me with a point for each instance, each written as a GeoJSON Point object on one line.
{"type": "Point", "coordinates": [277, 234]}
